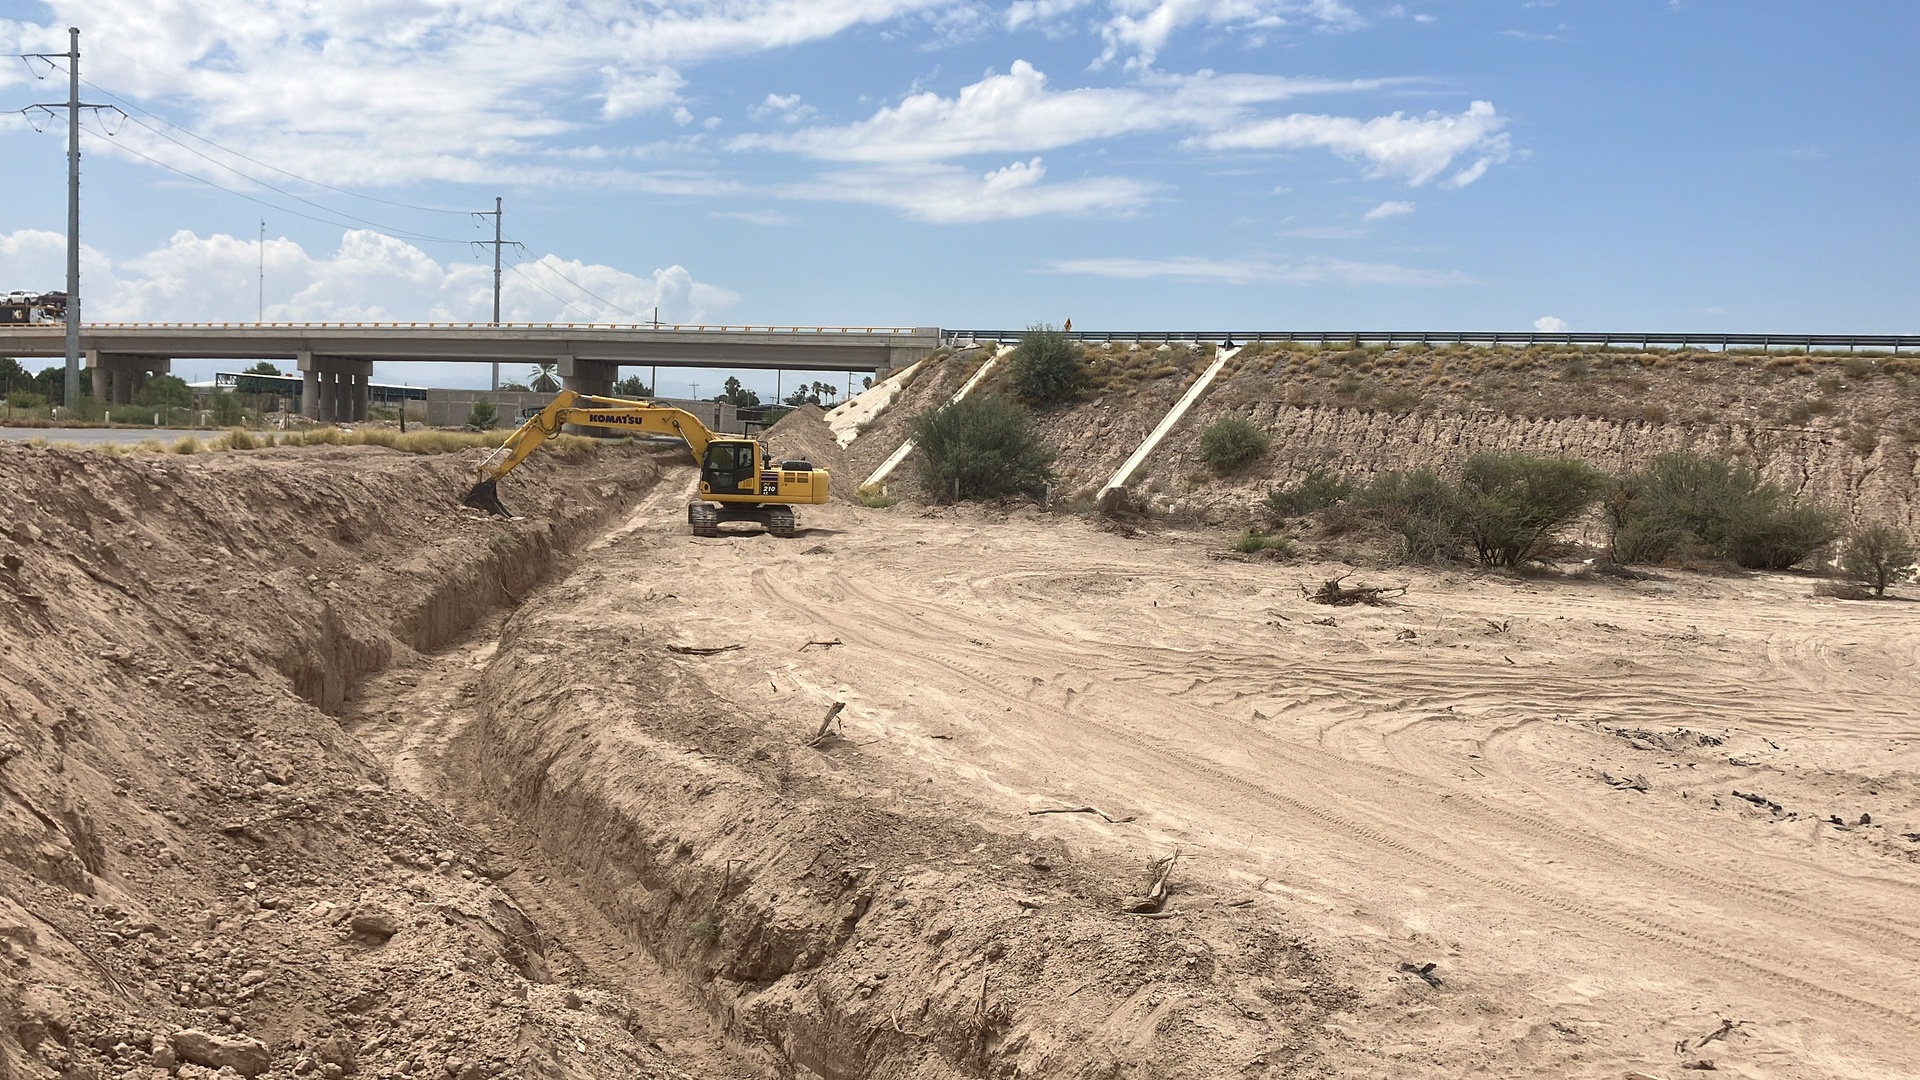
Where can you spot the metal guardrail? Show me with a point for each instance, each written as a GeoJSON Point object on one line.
{"type": "Point", "coordinates": [94, 327]}
{"type": "Point", "coordinates": [1850, 342]}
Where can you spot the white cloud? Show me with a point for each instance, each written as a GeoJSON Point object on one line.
{"type": "Point", "coordinates": [1388, 209]}
{"type": "Point", "coordinates": [1143, 27]}
{"type": "Point", "coordinates": [391, 91]}
{"type": "Point", "coordinates": [1041, 13]}
{"type": "Point", "coordinates": [369, 277]}
{"type": "Point", "coordinates": [949, 194]}
{"type": "Point", "coordinates": [1018, 113]}
{"type": "Point", "coordinates": [1547, 324]}
{"type": "Point", "coordinates": [630, 95]}
{"type": "Point", "coordinates": [1414, 149]}
{"type": "Point", "coordinates": [787, 109]}
{"type": "Point", "coordinates": [754, 217]}
{"type": "Point", "coordinates": [1262, 271]}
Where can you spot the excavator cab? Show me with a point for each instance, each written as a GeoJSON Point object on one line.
{"type": "Point", "coordinates": [730, 468]}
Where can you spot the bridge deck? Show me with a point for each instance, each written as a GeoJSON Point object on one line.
{"type": "Point", "coordinates": [820, 348]}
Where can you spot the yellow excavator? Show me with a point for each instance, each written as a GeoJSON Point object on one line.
{"type": "Point", "coordinates": [738, 480]}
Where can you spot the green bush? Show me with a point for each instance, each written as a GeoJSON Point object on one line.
{"type": "Point", "coordinates": [1046, 367]}
{"type": "Point", "coordinates": [1421, 506]}
{"type": "Point", "coordinates": [1685, 505]}
{"type": "Point", "coordinates": [1778, 540]}
{"type": "Point", "coordinates": [170, 391]}
{"type": "Point", "coordinates": [136, 415]}
{"type": "Point", "coordinates": [1503, 511]}
{"type": "Point", "coordinates": [1228, 444]}
{"type": "Point", "coordinates": [27, 399]}
{"type": "Point", "coordinates": [985, 443]}
{"type": "Point", "coordinates": [482, 415]}
{"type": "Point", "coordinates": [1254, 542]}
{"type": "Point", "coordinates": [1510, 505]}
{"type": "Point", "coordinates": [226, 408]}
{"type": "Point", "coordinates": [1317, 490]}
{"type": "Point", "coordinates": [1877, 556]}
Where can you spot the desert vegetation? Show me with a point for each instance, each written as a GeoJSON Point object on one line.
{"type": "Point", "coordinates": [1689, 506]}
{"type": "Point", "coordinates": [1877, 556]}
{"type": "Point", "coordinates": [1231, 444]}
{"type": "Point", "coordinates": [1046, 368]}
{"type": "Point", "coordinates": [1508, 509]}
{"type": "Point", "coordinates": [980, 447]}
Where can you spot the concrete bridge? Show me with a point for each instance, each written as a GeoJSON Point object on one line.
{"type": "Point", "coordinates": [336, 359]}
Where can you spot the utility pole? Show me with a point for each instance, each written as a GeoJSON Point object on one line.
{"type": "Point", "coordinates": [262, 316]}
{"type": "Point", "coordinates": [73, 217]}
{"type": "Point", "coordinates": [72, 105]}
{"type": "Point", "coordinates": [498, 240]}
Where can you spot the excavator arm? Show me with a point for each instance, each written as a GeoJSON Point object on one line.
{"type": "Point", "coordinates": [568, 407]}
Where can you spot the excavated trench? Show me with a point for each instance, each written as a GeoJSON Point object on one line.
{"type": "Point", "coordinates": [827, 921]}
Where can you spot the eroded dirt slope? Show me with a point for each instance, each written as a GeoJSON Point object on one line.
{"type": "Point", "coordinates": [1834, 429]}
{"type": "Point", "coordinates": [198, 868]}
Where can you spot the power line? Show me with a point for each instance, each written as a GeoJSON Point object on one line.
{"type": "Point", "coordinates": [405, 234]}
{"type": "Point", "coordinates": [554, 270]}
{"type": "Point", "coordinates": [274, 168]}
{"type": "Point", "coordinates": [255, 199]}
{"type": "Point", "coordinates": [569, 303]}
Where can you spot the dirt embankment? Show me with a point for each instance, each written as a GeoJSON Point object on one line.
{"type": "Point", "coordinates": [1832, 428]}
{"type": "Point", "coordinates": [197, 867]}
{"type": "Point", "coordinates": [932, 385]}
{"type": "Point", "coordinates": [1844, 430]}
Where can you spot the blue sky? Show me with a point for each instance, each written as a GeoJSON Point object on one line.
{"type": "Point", "coordinates": [1244, 164]}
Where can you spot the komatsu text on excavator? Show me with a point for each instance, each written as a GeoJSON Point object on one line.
{"type": "Point", "coordinates": [738, 479]}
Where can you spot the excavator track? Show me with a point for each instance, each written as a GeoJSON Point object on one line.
{"type": "Point", "coordinates": [704, 519]}
{"type": "Point", "coordinates": [780, 521]}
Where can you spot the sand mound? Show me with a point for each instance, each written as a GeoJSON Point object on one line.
{"type": "Point", "coordinates": [803, 433]}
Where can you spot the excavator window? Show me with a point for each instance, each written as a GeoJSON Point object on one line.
{"type": "Point", "coordinates": [728, 465]}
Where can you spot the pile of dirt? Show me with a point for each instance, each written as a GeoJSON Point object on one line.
{"type": "Point", "coordinates": [803, 433]}
{"type": "Point", "coordinates": [198, 869]}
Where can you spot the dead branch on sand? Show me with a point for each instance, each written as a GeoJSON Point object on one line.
{"type": "Point", "coordinates": [1081, 810]}
{"type": "Point", "coordinates": [832, 719]}
{"type": "Point", "coordinates": [1156, 897]}
{"type": "Point", "coordinates": [696, 650]}
{"type": "Point", "coordinates": [821, 644]}
{"type": "Point", "coordinates": [1332, 592]}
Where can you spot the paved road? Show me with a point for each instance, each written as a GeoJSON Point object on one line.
{"type": "Point", "coordinates": [126, 436]}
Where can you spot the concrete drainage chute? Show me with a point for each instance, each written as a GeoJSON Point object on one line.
{"type": "Point", "coordinates": [1167, 422]}
{"type": "Point", "coordinates": [906, 448]}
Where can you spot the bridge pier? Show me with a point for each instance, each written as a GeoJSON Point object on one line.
{"type": "Point", "coordinates": [591, 377]}
{"type": "Point", "coordinates": [333, 389]}
{"type": "Point", "coordinates": [594, 377]}
{"type": "Point", "coordinates": [118, 377]}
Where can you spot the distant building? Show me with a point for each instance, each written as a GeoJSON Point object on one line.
{"type": "Point", "coordinates": [287, 387]}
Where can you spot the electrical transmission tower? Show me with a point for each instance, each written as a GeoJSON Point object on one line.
{"type": "Point", "coordinates": [73, 105]}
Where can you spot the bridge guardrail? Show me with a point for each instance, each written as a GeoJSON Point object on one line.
{"type": "Point", "coordinates": [626, 327]}
{"type": "Point", "coordinates": [1895, 342]}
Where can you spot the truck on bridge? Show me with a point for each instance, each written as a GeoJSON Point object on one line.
{"type": "Point", "coordinates": [26, 307]}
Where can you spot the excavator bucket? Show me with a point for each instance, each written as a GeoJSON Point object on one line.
{"type": "Point", "coordinates": [486, 496]}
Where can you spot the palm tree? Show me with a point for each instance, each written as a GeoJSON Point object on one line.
{"type": "Point", "coordinates": [546, 379]}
